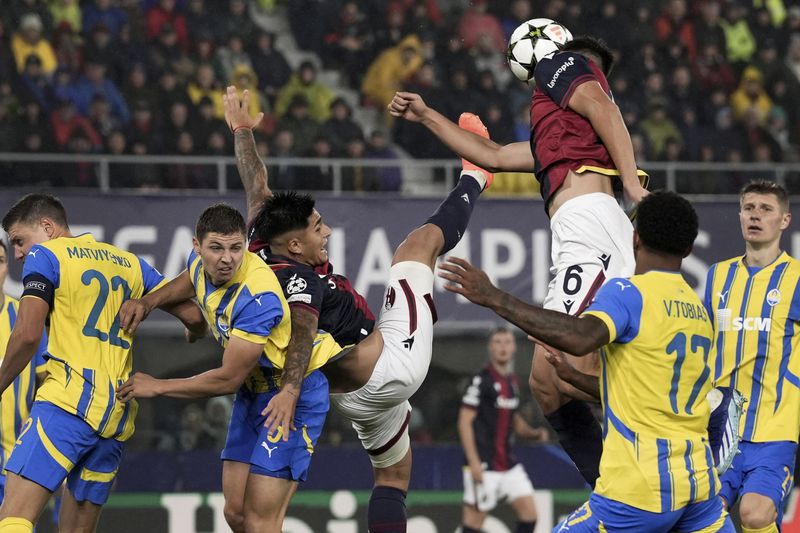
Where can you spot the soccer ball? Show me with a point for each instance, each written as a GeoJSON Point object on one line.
{"type": "Point", "coordinates": [531, 42]}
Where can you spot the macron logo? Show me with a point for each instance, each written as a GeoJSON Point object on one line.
{"type": "Point", "coordinates": [560, 70]}
{"type": "Point", "coordinates": [269, 450]}
{"type": "Point", "coordinates": [465, 197]}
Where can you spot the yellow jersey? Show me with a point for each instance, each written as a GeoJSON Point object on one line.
{"type": "Point", "coordinates": [252, 306]}
{"type": "Point", "coordinates": [16, 402]}
{"type": "Point", "coordinates": [653, 382]}
{"type": "Point", "coordinates": [85, 283]}
{"type": "Point", "coordinates": [756, 350]}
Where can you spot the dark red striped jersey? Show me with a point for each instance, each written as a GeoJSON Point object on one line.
{"type": "Point", "coordinates": [495, 397]}
{"type": "Point", "coordinates": [342, 311]}
{"type": "Point", "coordinates": [561, 139]}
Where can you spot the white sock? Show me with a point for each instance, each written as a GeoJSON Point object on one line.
{"type": "Point", "coordinates": [479, 176]}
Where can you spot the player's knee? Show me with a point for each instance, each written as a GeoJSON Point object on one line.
{"type": "Point", "coordinates": [757, 516]}
{"type": "Point", "coordinates": [422, 243]}
{"type": "Point", "coordinates": [234, 516]}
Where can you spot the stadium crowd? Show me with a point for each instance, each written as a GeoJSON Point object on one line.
{"type": "Point", "coordinates": [697, 80]}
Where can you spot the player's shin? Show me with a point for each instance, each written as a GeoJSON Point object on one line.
{"type": "Point", "coordinates": [387, 510]}
{"type": "Point", "coordinates": [525, 527]}
{"type": "Point", "coordinates": [453, 215]}
{"type": "Point", "coordinates": [581, 436]}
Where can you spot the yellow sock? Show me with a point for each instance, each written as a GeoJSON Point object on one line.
{"type": "Point", "coordinates": [772, 528]}
{"type": "Point", "coordinates": [15, 525]}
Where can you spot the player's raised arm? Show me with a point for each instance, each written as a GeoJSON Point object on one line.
{"type": "Point", "coordinates": [483, 152]}
{"type": "Point", "coordinates": [592, 102]}
{"type": "Point", "coordinates": [574, 335]}
{"type": "Point", "coordinates": [252, 170]}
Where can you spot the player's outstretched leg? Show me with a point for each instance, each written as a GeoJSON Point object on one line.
{"type": "Point", "coordinates": [442, 231]}
{"type": "Point", "coordinates": [412, 274]}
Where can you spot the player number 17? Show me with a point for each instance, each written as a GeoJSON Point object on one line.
{"type": "Point", "coordinates": [678, 346]}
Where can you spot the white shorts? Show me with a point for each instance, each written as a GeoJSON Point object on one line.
{"type": "Point", "coordinates": [379, 411]}
{"type": "Point", "coordinates": [496, 487]}
{"type": "Point", "coordinates": [592, 242]}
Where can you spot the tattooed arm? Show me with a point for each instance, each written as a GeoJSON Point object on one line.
{"type": "Point", "coordinates": [251, 169]}
{"type": "Point", "coordinates": [280, 410]}
{"type": "Point", "coordinates": [574, 335]}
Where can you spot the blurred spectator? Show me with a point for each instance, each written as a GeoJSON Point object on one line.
{"type": "Point", "coordinates": [739, 40]}
{"type": "Point", "coordinates": [137, 87]}
{"type": "Point", "coordinates": [188, 175]}
{"type": "Point", "coordinates": [487, 58]}
{"type": "Point", "coordinates": [390, 70]}
{"type": "Point", "coordinates": [243, 77]}
{"type": "Point", "coordinates": [101, 49]}
{"type": "Point", "coordinates": [29, 41]}
{"type": "Point", "coordinates": [764, 30]}
{"type": "Point", "coordinates": [394, 29]}
{"type": "Point", "coordinates": [683, 94]}
{"type": "Point", "coordinates": [498, 122]}
{"type": "Point", "coordinates": [169, 92]}
{"type": "Point", "coordinates": [33, 121]}
{"type": "Point", "coordinates": [793, 57]}
{"type": "Point", "coordinates": [66, 12]}
{"type": "Point", "coordinates": [778, 128]}
{"type": "Point", "coordinates": [421, 15]}
{"type": "Point", "coordinates": [308, 20]}
{"type": "Point", "coordinates": [518, 12]}
{"type": "Point", "coordinates": [712, 71]}
{"type": "Point", "coordinates": [101, 118]}
{"type": "Point", "coordinates": [201, 21]}
{"type": "Point", "coordinates": [66, 124]}
{"type": "Point", "coordinates": [32, 173]}
{"type": "Point", "coordinates": [476, 22]}
{"type": "Point", "coordinates": [674, 24]}
{"type": "Point", "coordinates": [143, 131]}
{"type": "Point", "coordinates": [166, 14]}
{"type": "Point", "coordinates": [461, 96]}
{"type": "Point", "coordinates": [452, 55]}
{"type": "Point", "coordinates": [205, 84]}
{"type": "Point", "coordinates": [233, 57]}
{"type": "Point", "coordinates": [757, 135]}
{"type": "Point", "coordinates": [299, 123]}
{"type": "Point", "coordinates": [727, 137]}
{"type": "Point", "coordinates": [93, 83]}
{"type": "Point", "coordinates": [707, 29]}
{"type": "Point", "coordinates": [237, 21]}
{"type": "Point", "coordinates": [206, 124]}
{"type": "Point", "coordinates": [68, 46]}
{"type": "Point", "coordinates": [78, 172]}
{"type": "Point", "coordinates": [349, 43]}
{"type": "Point", "coordinates": [658, 127]}
{"type": "Point", "coordinates": [341, 127]}
{"type": "Point", "coordinates": [304, 81]}
{"type": "Point", "coordinates": [270, 65]}
{"type": "Point", "coordinates": [415, 138]}
{"type": "Point", "coordinates": [194, 432]}
{"type": "Point", "coordinates": [285, 176]}
{"type": "Point", "coordinates": [389, 178]}
{"type": "Point", "coordinates": [103, 12]}
{"type": "Point", "coordinates": [8, 65]}
{"type": "Point", "coordinates": [36, 84]}
{"type": "Point", "coordinates": [691, 133]}
{"type": "Point", "coordinates": [178, 123]}
{"type": "Point", "coordinates": [15, 10]}
{"type": "Point", "coordinates": [751, 96]}
{"type": "Point", "coordinates": [167, 53]}
{"type": "Point", "coordinates": [319, 177]}
{"type": "Point", "coordinates": [203, 50]}
{"type": "Point", "coordinates": [358, 177]}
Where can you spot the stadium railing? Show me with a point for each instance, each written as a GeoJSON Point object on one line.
{"type": "Point", "coordinates": [423, 176]}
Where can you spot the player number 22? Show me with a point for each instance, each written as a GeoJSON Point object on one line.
{"type": "Point", "coordinates": [678, 346]}
{"type": "Point", "coordinates": [90, 328]}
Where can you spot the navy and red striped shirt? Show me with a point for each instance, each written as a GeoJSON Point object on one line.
{"type": "Point", "coordinates": [341, 310]}
{"type": "Point", "coordinates": [495, 397]}
{"type": "Point", "coordinates": [561, 139]}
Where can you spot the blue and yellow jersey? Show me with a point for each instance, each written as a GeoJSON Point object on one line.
{"type": "Point", "coordinates": [756, 351]}
{"type": "Point", "coordinates": [252, 306]}
{"type": "Point", "coordinates": [654, 380]}
{"type": "Point", "coordinates": [15, 404]}
{"type": "Point", "coordinates": [88, 356]}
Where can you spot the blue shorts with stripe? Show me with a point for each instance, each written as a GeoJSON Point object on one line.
{"type": "Point", "coordinates": [54, 445]}
{"type": "Point", "coordinates": [600, 514]}
{"type": "Point", "coordinates": [269, 455]}
{"type": "Point", "coordinates": [765, 468]}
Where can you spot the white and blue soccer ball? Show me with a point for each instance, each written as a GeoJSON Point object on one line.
{"type": "Point", "coordinates": [531, 42]}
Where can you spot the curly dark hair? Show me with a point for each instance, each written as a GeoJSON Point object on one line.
{"type": "Point", "coordinates": [284, 212]}
{"type": "Point", "coordinates": [667, 222]}
{"type": "Point", "coordinates": [594, 46]}
{"type": "Point", "coordinates": [219, 218]}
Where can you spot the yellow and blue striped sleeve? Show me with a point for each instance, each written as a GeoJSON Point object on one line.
{"type": "Point", "coordinates": [619, 305]}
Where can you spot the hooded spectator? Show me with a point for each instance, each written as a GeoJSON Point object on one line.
{"type": "Point", "coordinates": [391, 70]}
{"type": "Point", "coordinates": [205, 84]}
{"type": "Point", "coordinates": [29, 41]}
{"type": "Point", "coordinates": [304, 81]}
{"type": "Point", "coordinates": [658, 127]}
{"type": "Point", "coordinates": [751, 95]}
{"type": "Point", "coordinates": [67, 12]}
